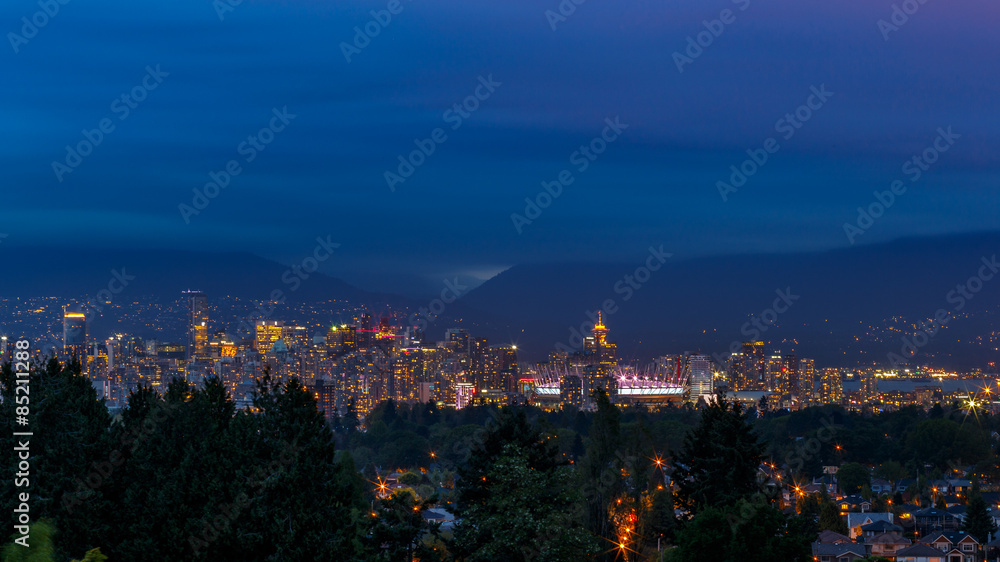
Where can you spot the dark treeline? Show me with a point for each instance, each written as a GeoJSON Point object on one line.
{"type": "Point", "coordinates": [187, 476]}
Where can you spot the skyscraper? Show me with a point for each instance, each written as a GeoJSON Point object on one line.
{"type": "Point", "coordinates": [268, 332]}
{"type": "Point", "coordinates": [75, 334]}
{"type": "Point", "coordinates": [752, 373]}
{"type": "Point", "coordinates": [832, 386]}
{"type": "Point", "coordinates": [807, 381]}
{"type": "Point", "coordinates": [701, 377]}
{"type": "Point", "coordinates": [869, 386]}
{"type": "Point", "coordinates": [457, 339]}
{"type": "Point", "coordinates": [789, 374]}
{"type": "Point", "coordinates": [197, 344]}
{"type": "Point", "coordinates": [478, 359]}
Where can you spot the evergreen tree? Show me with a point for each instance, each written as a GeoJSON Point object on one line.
{"type": "Point", "coordinates": [717, 464]}
{"type": "Point", "coordinates": [978, 521]}
{"type": "Point", "coordinates": [743, 532]}
{"type": "Point", "coordinates": [528, 514]}
{"type": "Point", "coordinates": [517, 498]}
{"type": "Point", "coordinates": [830, 517]}
{"type": "Point", "coordinates": [397, 529]}
{"type": "Point", "coordinates": [69, 454]}
{"type": "Point", "coordinates": [602, 468]}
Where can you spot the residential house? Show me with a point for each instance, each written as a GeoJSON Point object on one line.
{"type": "Point", "coordinates": [920, 553]}
{"type": "Point", "coordinates": [879, 527]}
{"type": "Point", "coordinates": [887, 544]}
{"type": "Point", "coordinates": [960, 487]}
{"type": "Point", "coordinates": [856, 520]}
{"type": "Point", "coordinates": [854, 503]}
{"type": "Point", "coordinates": [880, 486]}
{"type": "Point", "coordinates": [832, 537]}
{"type": "Point", "coordinates": [930, 519]}
{"type": "Point", "coordinates": [838, 552]}
{"type": "Point", "coordinates": [958, 546]}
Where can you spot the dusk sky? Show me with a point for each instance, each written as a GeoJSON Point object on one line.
{"type": "Point", "coordinates": [324, 174]}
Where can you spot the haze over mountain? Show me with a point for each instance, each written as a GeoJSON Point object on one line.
{"type": "Point", "coordinates": [847, 306]}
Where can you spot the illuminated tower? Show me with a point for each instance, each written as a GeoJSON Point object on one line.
{"type": "Point", "coordinates": [600, 331]}
{"type": "Point", "coordinates": [478, 362]}
{"type": "Point", "coordinates": [789, 374]}
{"type": "Point", "coordinates": [832, 386]}
{"type": "Point", "coordinates": [197, 345]}
{"type": "Point", "coordinates": [753, 372]}
{"type": "Point", "coordinates": [605, 352]}
{"type": "Point", "coordinates": [268, 332]}
{"type": "Point", "coordinates": [807, 381]}
{"type": "Point", "coordinates": [75, 334]}
{"type": "Point", "coordinates": [701, 377]}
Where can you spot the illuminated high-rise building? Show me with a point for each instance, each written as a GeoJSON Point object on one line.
{"type": "Point", "coordinates": [789, 374]}
{"type": "Point", "coordinates": [869, 386]}
{"type": "Point", "coordinates": [465, 394]}
{"type": "Point", "coordinates": [457, 339]}
{"type": "Point", "coordinates": [700, 368]}
{"type": "Point", "coordinates": [752, 373]}
{"type": "Point", "coordinates": [571, 388]}
{"type": "Point", "coordinates": [597, 347]}
{"type": "Point", "coordinates": [773, 367]}
{"type": "Point", "coordinates": [197, 344]}
{"type": "Point", "coordinates": [478, 362]}
{"type": "Point", "coordinates": [326, 397]}
{"type": "Point", "coordinates": [267, 332]}
{"type": "Point", "coordinates": [507, 372]}
{"type": "Point", "coordinates": [75, 333]}
{"type": "Point", "coordinates": [807, 381]}
{"type": "Point", "coordinates": [832, 386]}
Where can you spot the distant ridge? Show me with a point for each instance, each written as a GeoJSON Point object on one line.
{"type": "Point", "coordinates": [701, 304]}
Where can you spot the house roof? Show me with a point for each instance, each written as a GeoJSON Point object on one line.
{"type": "Point", "coordinates": [919, 550]}
{"type": "Point", "coordinates": [838, 549]}
{"type": "Point", "coordinates": [954, 537]}
{"type": "Point", "coordinates": [831, 536]}
{"type": "Point", "coordinates": [854, 499]}
{"type": "Point", "coordinates": [881, 526]}
{"type": "Point", "coordinates": [858, 519]}
{"type": "Point", "coordinates": [931, 512]}
{"type": "Point", "coordinates": [889, 538]}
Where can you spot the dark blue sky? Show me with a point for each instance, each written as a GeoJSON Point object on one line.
{"type": "Point", "coordinates": [656, 184]}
